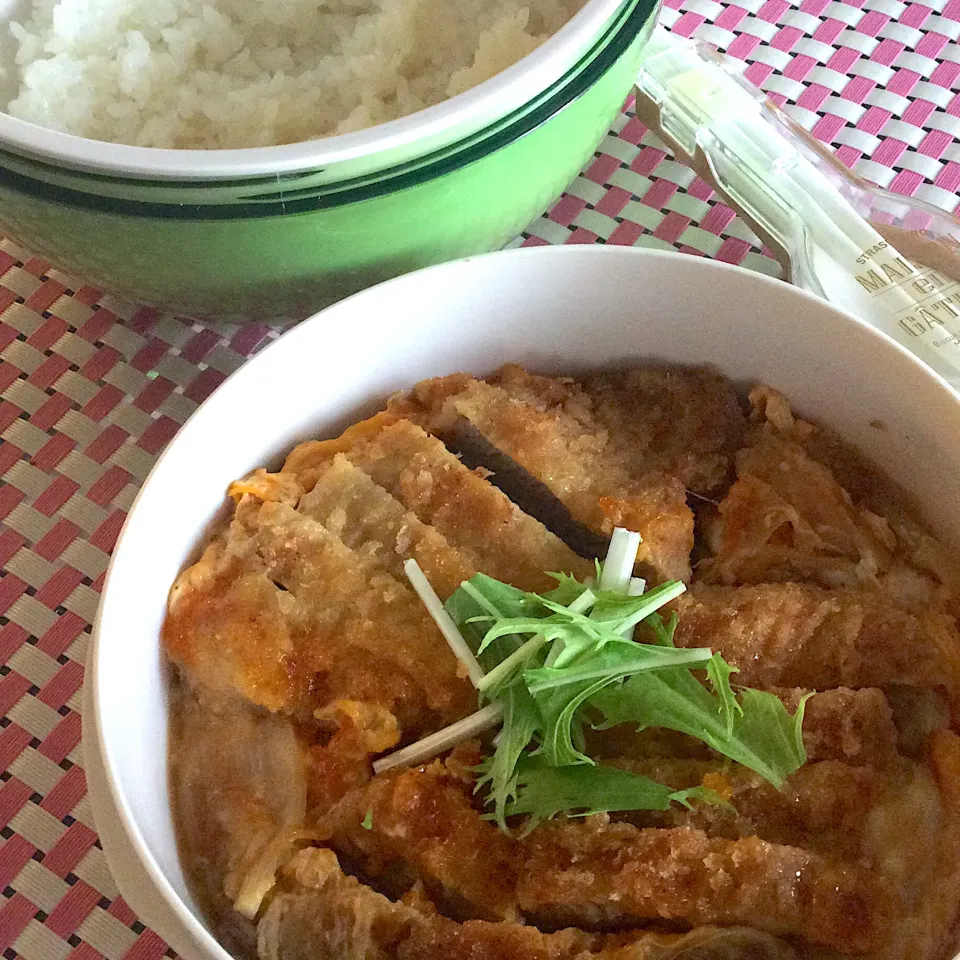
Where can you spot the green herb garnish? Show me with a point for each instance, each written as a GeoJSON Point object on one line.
{"type": "Point", "coordinates": [545, 790]}
{"type": "Point", "coordinates": [756, 731]}
{"type": "Point", "coordinates": [367, 821]}
{"type": "Point", "coordinates": [552, 665]}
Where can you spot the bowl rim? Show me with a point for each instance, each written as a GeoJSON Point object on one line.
{"type": "Point", "coordinates": [119, 815]}
{"type": "Point", "coordinates": [495, 97]}
{"type": "Point", "coordinates": [636, 16]}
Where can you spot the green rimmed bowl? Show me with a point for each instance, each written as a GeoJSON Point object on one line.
{"type": "Point", "coordinates": [299, 226]}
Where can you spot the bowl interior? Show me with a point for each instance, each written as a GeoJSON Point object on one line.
{"type": "Point", "coordinates": [554, 309]}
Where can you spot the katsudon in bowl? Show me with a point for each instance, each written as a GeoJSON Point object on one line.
{"type": "Point", "coordinates": [804, 810]}
{"type": "Point", "coordinates": [626, 660]}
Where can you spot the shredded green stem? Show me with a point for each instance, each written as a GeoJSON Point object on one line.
{"type": "Point", "coordinates": [441, 741]}
{"type": "Point", "coordinates": [506, 667]}
{"type": "Point", "coordinates": [444, 621]}
{"type": "Point", "coordinates": [636, 588]}
{"type": "Point", "coordinates": [621, 557]}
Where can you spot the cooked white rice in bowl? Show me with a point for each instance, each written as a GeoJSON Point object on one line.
{"type": "Point", "coordinates": [206, 74]}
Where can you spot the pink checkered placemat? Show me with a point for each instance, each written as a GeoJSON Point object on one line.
{"type": "Point", "coordinates": [91, 390]}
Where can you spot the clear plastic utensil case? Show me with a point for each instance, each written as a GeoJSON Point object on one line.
{"type": "Point", "coordinates": [891, 260]}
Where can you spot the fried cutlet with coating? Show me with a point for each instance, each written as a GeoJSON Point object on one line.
{"type": "Point", "coordinates": [797, 635]}
{"type": "Point", "coordinates": [420, 825]}
{"type": "Point", "coordinates": [287, 610]}
{"type": "Point", "coordinates": [597, 875]}
{"type": "Point", "coordinates": [302, 607]}
{"type": "Point", "coordinates": [682, 421]}
{"type": "Point", "coordinates": [490, 532]}
{"type": "Point", "coordinates": [845, 724]}
{"type": "Point", "coordinates": [827, 807]}
{"type": "Point", "coordinates": [367, 517]}
{"type": "Point", "coordinates": [546, 428]}
{"type": "Point", "coordinates": [323, 914]}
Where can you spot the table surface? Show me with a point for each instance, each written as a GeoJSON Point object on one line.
{"type": "Point", "coordinates": [91, 389]}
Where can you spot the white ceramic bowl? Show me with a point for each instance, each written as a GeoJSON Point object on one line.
{"type": "Point", "coordinates": [553, 309]}
{"type": "Point", "coordinates": [396, 141]}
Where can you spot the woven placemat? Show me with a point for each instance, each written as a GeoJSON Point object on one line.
{"type": "Point", "coordinates": [91, 389]}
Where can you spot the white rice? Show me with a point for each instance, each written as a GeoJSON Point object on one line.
{"type": "Point", "coordinates": [202, 74]}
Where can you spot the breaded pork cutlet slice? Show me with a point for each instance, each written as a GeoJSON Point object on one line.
{"type": "Point", "coordinates": [845, 724]}
{"type": "Point", "coordinates": [546, 427]}
{"type": "Point", "coordinates": [347, 501]}
{"type": "Point", "coordinates": [489, 533]}
{"type": "Point", "coordinates": [320, 913]}
{"type": "Point", "coordinates": [796, 635]}
{"type": "Point", "coordinates": [600, 875]}
{"type": "Point", "coordinates": [420, 825]}
{"type": "Point", "coordinates": [605, 872]}
{"type": "Point", "coordinates": [826, 807]}
{"type": "Point", "coordinates": [285, 614]}
{"type": "Point", "coordinates": [684, 422]}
